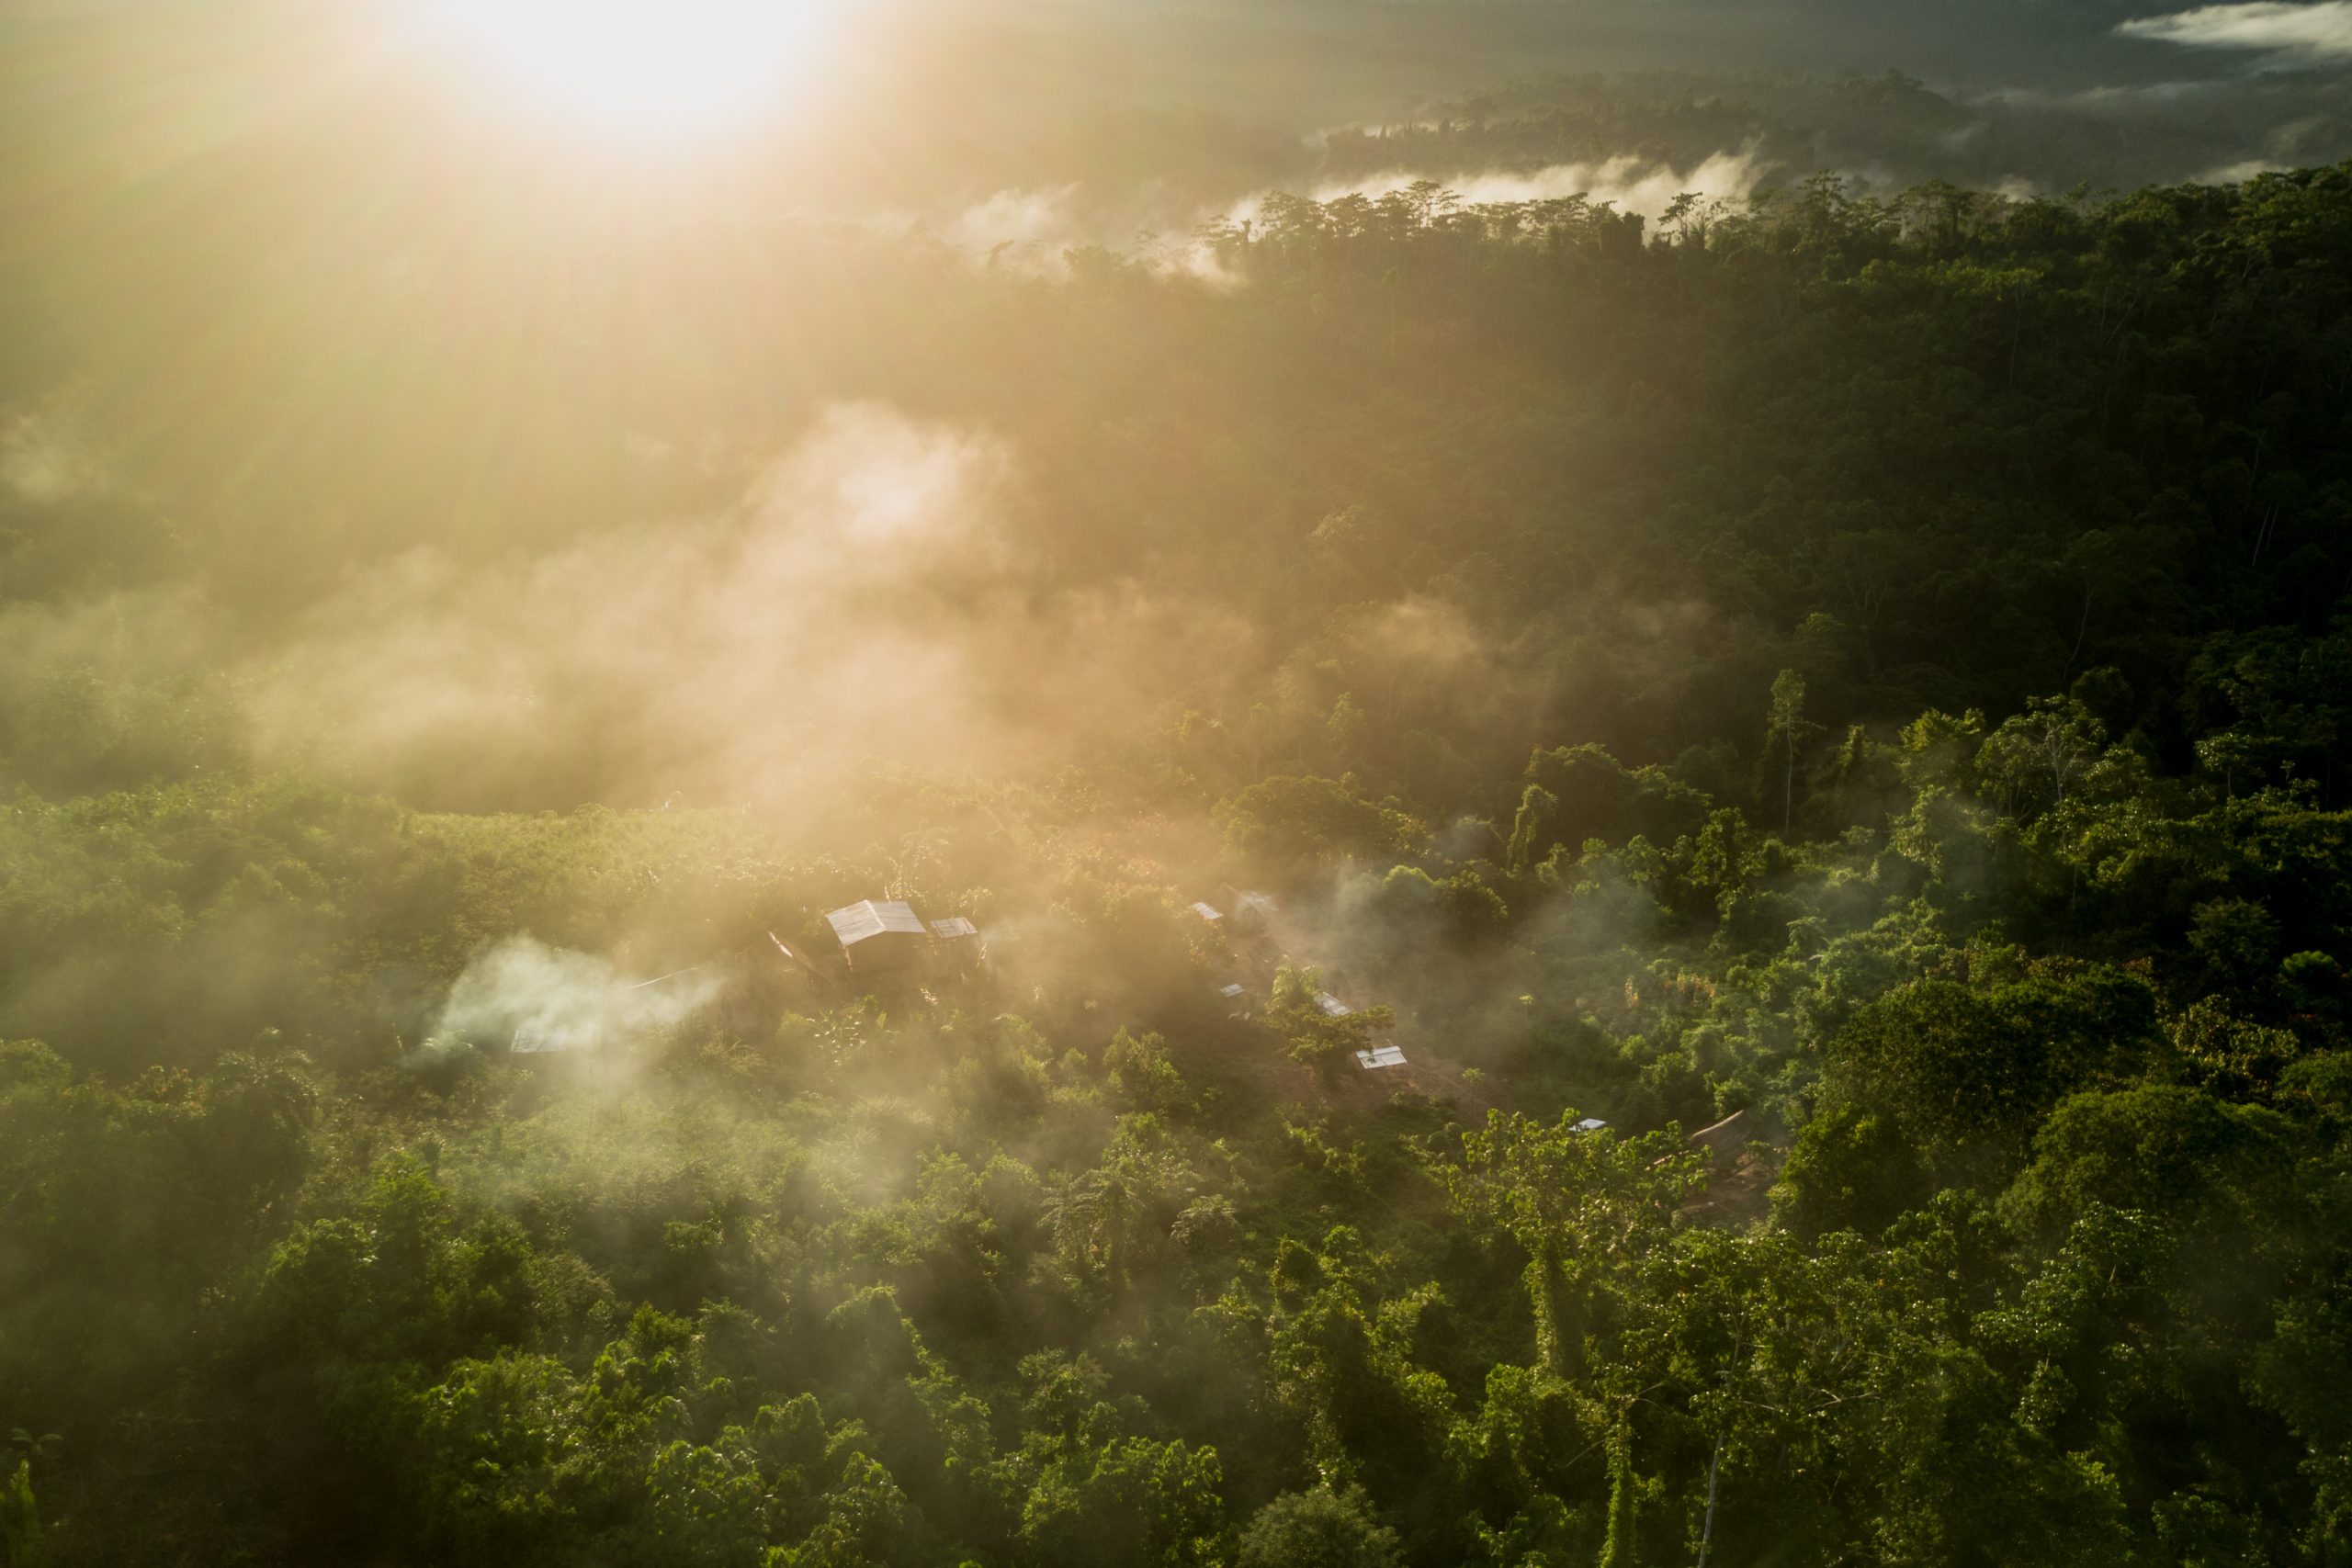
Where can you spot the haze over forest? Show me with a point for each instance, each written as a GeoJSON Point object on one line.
{"type": "Point", "coordinates": [1049, 782]}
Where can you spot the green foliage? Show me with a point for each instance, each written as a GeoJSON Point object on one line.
{"type": "Point", "coordinates": [1959, 580]}
{"type": "Point", "coordinates": [1296, 824]}
{"type": "Point", "coordinates": [1577, 793]}
{"type": "Point", "coordinates": [2166, 1150]}
{"type": "Point", "coordinates": [1311, 1032]}
{"type": "Point", "coordinates": [1322, 1528]}
{"type": "Point", "coordinates": [1851, 1169]}
{"type": "Point", "coordinates": [1964, 1073]}
{"type": "Point", "coordinates": [20, 1532]}
{"type": "Point", "coordinates": [1620, 1548]}
{"type": "Point", "coordinates": [1582, 1205]}
{"type": "Point", "coordinates": [1139, 1069]}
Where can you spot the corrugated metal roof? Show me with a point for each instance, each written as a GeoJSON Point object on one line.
{"type": "Point", "coordinates": [1590, 1124]}
{"type": "Point", "coordinates": [872, 917]}
{"type": "Point", "coordinates": [533, 1038]}
{"type": "Point", "coordinates": [1232, 991]}
{"type": "Point", "coordinates": [1332, 1006]}
{"type": "Point", "coordinates": [953, 926]}
{"type": "Point", "coordinates": [1380, 1056]}
{"type": "Point", "coordinates": [1208, 912]}
{"type": "Point", "coordinates": [1725, 1135]}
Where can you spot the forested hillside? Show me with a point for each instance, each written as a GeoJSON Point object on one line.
{"type": "Point", "coordinates": [1879, 667]}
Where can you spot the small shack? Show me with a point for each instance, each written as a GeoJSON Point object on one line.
{"type": "Point", "coordinates": [881, 937]}
{"type": "Point", "coordinates": [1379, 1056]}
{"type": "Point", "coordinates": [1740, 1179]}
{"type": "Point", "coordinates": [1727, 1138]}
{"type": "Point", "coordinates": [959, 948]}
{"type": "Point", "coordinates": [1246, 911]}
{"type": "Point", "coordinates": [796, 965]}
{"type": "Point", "coordinates": [533, 1038]}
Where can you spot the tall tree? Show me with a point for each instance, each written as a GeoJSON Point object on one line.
{"type": "Point", "coordinates": [1786, 729]}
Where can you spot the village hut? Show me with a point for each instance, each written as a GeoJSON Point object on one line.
{"type": "Point", "coordinates": [1246, 912]}
{"type": "Point", "coordinates": [1727, 1138]}
{"type": "Point", "coordinates": [959, 948]}
{"type": "Point", "coordinates": [881, 938]}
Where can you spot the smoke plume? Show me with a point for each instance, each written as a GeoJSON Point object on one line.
{"type": "Point", "coordinates": [541, 998]}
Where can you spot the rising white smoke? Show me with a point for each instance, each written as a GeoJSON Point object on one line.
{"type": "Point", "coordinates": [538, 998]}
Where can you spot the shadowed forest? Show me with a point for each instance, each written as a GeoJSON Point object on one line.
{"type": "Point", "coordinates": [1699, 598]}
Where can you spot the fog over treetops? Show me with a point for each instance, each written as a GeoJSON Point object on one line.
{"type": "Point", "coordinates": [1041, 782]}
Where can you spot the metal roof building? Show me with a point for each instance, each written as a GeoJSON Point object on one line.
{"type": "Point", "coordinates": [873, 917]}
{"type": "Point", "coordinates": [880, 934]}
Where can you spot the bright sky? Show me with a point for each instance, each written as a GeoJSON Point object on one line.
{"type": "Point", "coordinates": [648, 67]}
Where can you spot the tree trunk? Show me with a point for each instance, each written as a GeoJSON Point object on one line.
{"type": "Point", "coordinates": [1707, 1524]}
{"type": "Point", "coordinates": [1789, 786]}
{"type": "Point", "coordinates": [1618, 1550]}
{"type": "Point", "coordinates": [1557, 1349]}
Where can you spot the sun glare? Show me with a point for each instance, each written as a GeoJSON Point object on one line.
{"type": "Point", "coordinates": [639, 65]}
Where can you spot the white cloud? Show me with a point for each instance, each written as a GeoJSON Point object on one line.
{"type": "Point", "coordinates": [2112, 102]}
{"type": "Point", "coordinates": [1027, 228]}
{"type": "Point", "coordinates": [2321, 31]}
{"type": "Point", "coordinates": [1629, 183]}
{"type": "Point", "coordinates": [2235, 173]}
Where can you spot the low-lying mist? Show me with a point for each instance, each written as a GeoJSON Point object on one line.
{"type": "Point", "coordinates": [861, 603]}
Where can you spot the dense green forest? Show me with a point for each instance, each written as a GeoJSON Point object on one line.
{"type": "Point", "coordinates": [1878, 666]}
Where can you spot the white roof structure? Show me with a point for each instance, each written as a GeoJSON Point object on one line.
{"type": "Point", "coordinates": [533, 1038]}
{"type": "Point", "coordinates": [1255, 902]}
{"type": "Point", "coordinates": [1234, 989]}
{"type": "Point", "coordinates": [954, 927]}
{"type": "Point", "coordinates": [1590, 1124]}
{"type": "Point", "coordinates": [1725, 1137]}
{"type": "Point", "coordinates": [872, 917]}
{"type": "Point", "coordinates": [1332, 1006]}
{"type": "Point", "coordinates": [1380, 1056]}
{"type": "Point", "coordinates": [1208, 912]}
